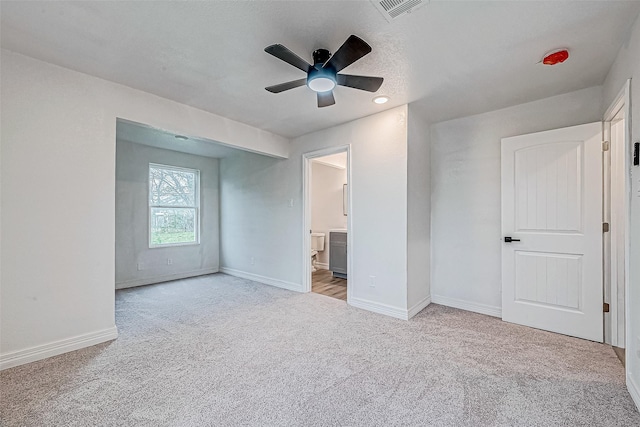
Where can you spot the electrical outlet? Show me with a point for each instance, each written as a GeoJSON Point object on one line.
{"type": "Point", "coordinates": [372, 281]}
{"type": "Point", "coordinates": [169, 261]}
{"type": "Point", "coordinates": [253, 261]}
{"type": "Point", "coordinates": [290, 203]}
{"type": "Point", "coordinates": [140, 266]}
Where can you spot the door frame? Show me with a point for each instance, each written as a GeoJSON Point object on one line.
{"type": "Point", "coordinates": [306, 214]}
{"type": "Point", "coordinates": [621, 102]}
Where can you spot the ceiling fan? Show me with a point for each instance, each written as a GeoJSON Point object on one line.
{"type": "Point", "coordinates": [322, 76]}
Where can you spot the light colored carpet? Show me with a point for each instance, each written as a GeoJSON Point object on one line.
{"type": "Point", "coordinates": [223, 351]}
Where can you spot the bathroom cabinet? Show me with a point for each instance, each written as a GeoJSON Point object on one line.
{"type": "Point", "coordinates": [338, 253]}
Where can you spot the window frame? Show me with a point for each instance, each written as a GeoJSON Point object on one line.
{"type": "Point", "coordinates": [196, 206]}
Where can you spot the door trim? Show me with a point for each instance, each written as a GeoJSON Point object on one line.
{"type": "Point", "coordinates": [306, 214]}
{"type": "Point", "coordinates": [621, 102]}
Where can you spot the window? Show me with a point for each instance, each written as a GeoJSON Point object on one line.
{"type": "Point", "coordinates": [174, 201]}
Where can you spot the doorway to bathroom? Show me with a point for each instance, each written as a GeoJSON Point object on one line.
{"type": "Point", "coordinates": [327, 241]}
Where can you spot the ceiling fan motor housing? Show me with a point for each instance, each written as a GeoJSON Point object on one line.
{"type": "Point", "coordinates": [320, 56]}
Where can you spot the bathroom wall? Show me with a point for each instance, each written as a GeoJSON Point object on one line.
{"type": "Point", "coordinates": [326, 204]}
{"type": "Point", "coordinates": [136, 263]}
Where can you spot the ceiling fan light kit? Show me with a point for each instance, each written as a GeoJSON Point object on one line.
{"type": "Point", "coordinates": [322, 76]}
{"type": "Point", "coordinates": [321, 84]}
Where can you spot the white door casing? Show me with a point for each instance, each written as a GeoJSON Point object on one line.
{"type": "Point", "coordinates": [616, 209]}
{"type": "Point", "coordinates": [617, 202]}
{"type": "Point", "coordinates": [552, 203]}
{"type": "Point", "coordinates": [306, 213]}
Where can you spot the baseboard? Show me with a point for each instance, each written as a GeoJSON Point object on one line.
{"type": "Point", "coordinates": [164, 278]}
{"type": "Point", "coordinates": [376, 307]}
{"type": "Point", "coordinates": [417, 308]}
{"type": "Point", "coordinates": [634, 391]}
{"type": "Point", "coordinates": [20, 357]}
{"type": "Point", "coordinates": [489, 310]}
{"type": "Point", "coordinates": [322, 266]}
{"type": "Point", "coordinates": [262, 279]}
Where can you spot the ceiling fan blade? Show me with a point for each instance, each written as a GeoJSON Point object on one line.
{"type": "Point", "coordinates": [325, 99]}
{"type": "Point", "coordinates": [370, 84]}
{"type": "Point", "coordinates": [281, 52]}
{"type": "Point", "coordinates": [286, 86]}
{"type": "Point", "coordinates": [352, 50]}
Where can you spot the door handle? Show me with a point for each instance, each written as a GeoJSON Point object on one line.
{"type": "Point", "coordinates": [509, 239]}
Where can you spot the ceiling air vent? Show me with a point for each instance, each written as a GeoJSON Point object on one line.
{"type": "Point", "coordinates": [392, 9]}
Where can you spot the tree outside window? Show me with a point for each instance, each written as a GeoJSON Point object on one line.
{"type": "Point", "coordinates": [174, 201]}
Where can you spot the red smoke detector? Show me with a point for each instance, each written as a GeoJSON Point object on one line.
{"type": "Point", "coordinates": [555, 57]}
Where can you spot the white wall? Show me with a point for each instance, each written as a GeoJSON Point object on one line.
{"type": "Point", "coordinates": [132, 218]}
{"type": "Point", "coordinates": [465, 193]}
{"type": "Point", "coordinates": [256, 220]}
{"type": "Point", "coordinates": [326, 203]}
{"type": "Point", "coordinates": [379, 204]}
{"type": "Point", "coordinates": [627, 65]}
{"type": "Point", "coordinates": [257, 226]}
{"type": "Point", "coordinates": [418, 213]}
{"type": "Point", "coordinates": [58, 209]}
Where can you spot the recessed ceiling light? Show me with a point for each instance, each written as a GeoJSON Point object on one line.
{"type": "Point", "coordinates": [380, 99]}
{"type": "Point", "coordinates": [181, 137]}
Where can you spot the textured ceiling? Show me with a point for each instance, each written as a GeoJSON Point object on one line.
{"type": "Point", "coordinates": [450, 58]}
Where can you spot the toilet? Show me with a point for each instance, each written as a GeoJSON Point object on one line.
{"type": "Point", "coordinates": [317, 245]}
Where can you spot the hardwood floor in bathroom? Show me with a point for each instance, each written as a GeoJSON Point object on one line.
{"type": "Point", "coordinates": [325, 284]}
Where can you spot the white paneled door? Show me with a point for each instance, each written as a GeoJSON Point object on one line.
{"type": "Point", "coordinates": [552, 230]}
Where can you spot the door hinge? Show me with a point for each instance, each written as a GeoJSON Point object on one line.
{"type": "Point", "coordinates": [605, 307]}
{"type": "Point", "coordinates": [605, 145]}
{"type": "Point", "coordinates": [605, 227]}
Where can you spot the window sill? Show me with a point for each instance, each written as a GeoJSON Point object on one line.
{"type": "Point", "coordinates": [172, 245]}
